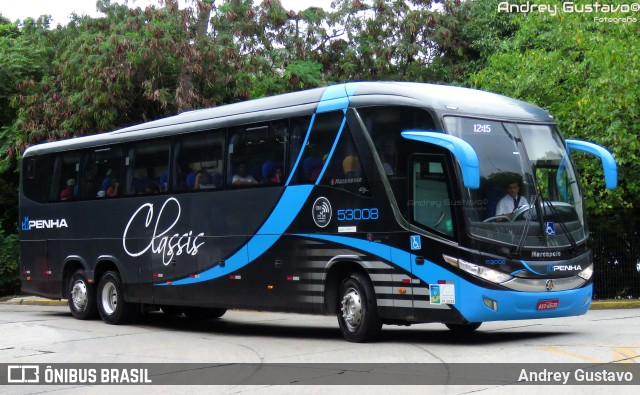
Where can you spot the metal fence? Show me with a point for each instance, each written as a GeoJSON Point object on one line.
{"type": "Point", "coordinates": [615, 242]}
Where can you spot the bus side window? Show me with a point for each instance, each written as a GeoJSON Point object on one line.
{"type": "Point", "coordinates": [256, 154]}
{"type": "Point", "coordinates": [147, 167]}
{"type": "Point", "coordinates": [36, 178]}
{"type": "Point", "coordinates": [64, 180]}
{"type": "Point", "coordinates": [345, 169]}
{"type": "Point", "coordinates": [102, 168]}
{"type": "Point", "coordinates": [319, 143]}
{"type": "Point", "coordinates": [299, 129]}
{"type": "Point", "coordinates": [198, 161]}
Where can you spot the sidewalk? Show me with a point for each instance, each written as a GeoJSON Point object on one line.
{"type": "Point", "coordinates": [35, 300]}
{"type": "Point", "coordinates": [595, 305]}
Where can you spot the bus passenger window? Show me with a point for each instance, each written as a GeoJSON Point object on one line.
{"type": "Point", "coordinates": [147, 167]}
{"type": "Point", "coordinates": [345, 169]}
{"type": "Point", "coordinates": [198, 161]}
{"type": "Point", "coordinates": [323, 134]}
{"type": "Point", "coordinates": [256, 154]}
{"type": "Point", "coordinates": [66, 171]}
{"type": "Point", "coordinates": [102, 169]}
{"type": "Point", "coordinates": [299, 128]}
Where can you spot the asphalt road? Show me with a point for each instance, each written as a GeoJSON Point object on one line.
{"type": "Point", "coordinates": [48, 334]}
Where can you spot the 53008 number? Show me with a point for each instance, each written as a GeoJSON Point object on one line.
{"type": "Point", "coordinates": [357, 214]}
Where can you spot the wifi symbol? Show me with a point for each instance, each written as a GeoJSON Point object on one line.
{"type": "Point", "coordinates": [322, 212]}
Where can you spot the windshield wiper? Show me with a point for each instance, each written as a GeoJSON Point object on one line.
{"type": "Point", "coordinates": [527, 223]}
{"type": "Point", "coordinates": [572, 241]}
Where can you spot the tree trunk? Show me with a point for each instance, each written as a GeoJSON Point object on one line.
{"type": "Point", "coordinates": [184, 92]}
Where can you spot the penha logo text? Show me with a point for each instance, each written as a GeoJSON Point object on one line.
{"type": "Point", "coordinates": [28, 224]}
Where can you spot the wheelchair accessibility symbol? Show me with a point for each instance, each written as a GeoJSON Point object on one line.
{"type": "Point", "coordinates": [551, 228]}
{"type": "Point", "coordinates": [416, 242]}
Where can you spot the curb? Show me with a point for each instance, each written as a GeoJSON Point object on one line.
{"type": "Point", "coordinates": [35, 301]}
{"type": "Point", "coordinates": [595, 305]}
{"type": "Point", "coordinates": [615, 304]}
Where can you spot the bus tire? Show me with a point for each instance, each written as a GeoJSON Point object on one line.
{"type": "Point", "coordinates": [113, 309]}
{"type": "Point", "coordinates": [464, 328]}
{"type": "Point", "coordinates": [204, 313]}
{"type": "Point", "coordinates": [81, 296]}
{"type": "Point", "coordinates": [357, 309]}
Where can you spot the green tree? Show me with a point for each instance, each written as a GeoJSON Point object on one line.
{"type": "Point", "coordinates": [418, 40]}
{"type": "Point", "coordinates": [586, 73]}
{"type": "Point", "coordinates": [24, 57]}
{"type": "Point", "coordinates": [271, 50]}
{"type": "Point", "coordinates": [130, 66]}
{"type": "Point", "coordinates": [472, 31]}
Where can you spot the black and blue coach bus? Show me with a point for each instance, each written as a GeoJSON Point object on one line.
{"type": "Point", "coordinates": [374, 201]}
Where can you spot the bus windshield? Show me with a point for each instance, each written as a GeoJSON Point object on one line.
{"type": "Point", "coordinates": [529, 194]}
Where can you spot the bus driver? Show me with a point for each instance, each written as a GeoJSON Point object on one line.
{"type": "Point", "coordinates": [512, 200]}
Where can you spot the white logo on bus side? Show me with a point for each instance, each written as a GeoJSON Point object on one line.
{"type": "Point", "coordinates": [161, 242]}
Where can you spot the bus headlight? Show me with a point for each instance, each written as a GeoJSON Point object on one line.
{"type": "Point", "coordinates": [479, 271]}
{"type": "Point", "coordinates": [586, 273]}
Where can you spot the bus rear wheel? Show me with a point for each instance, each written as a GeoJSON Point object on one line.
{"type": "Point", "coordinates": [357, 310]}
{"type": "Point", "coordinates": [82, 296]}
{"type": "Point", "coordinates": [111, 305]}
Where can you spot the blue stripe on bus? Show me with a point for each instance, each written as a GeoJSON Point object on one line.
{"type": "Point", "coordinates": [335, 143]}
{"type": "Point", "coordinates": [333, 105]}
{"type": "Point", "coordinates": [280, 219]}
{"type": "Point", "coordinates": [430, 272]}
{"type": "Point", "coordinates": [335, 98]}
{"type": "Point", "coordinates": [395, 255]}
{"type": "Point", "coordinates": [285, 211]}
{"type": "Point", "coordinates": [530, 269]}
{"type": "Point", "coordinates": [304, 144]}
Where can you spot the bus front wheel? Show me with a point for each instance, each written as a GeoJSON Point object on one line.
{"type": "Point", "coordinates": [81, 296]}
{"type": "Point", "coordinates": [357, 309]}
{"type": "Point", "coordinates": [113, 309]}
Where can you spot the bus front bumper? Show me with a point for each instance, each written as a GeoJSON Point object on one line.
{"type": "Point", "coordinates": [481, 304]}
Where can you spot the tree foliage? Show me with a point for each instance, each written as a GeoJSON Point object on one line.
{"type": "Point", "coordinates": [586, 73]}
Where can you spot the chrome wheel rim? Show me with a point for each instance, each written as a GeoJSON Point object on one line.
{"type": "Point", "coordinates": [79, 295]}
{"type": "Point", "coordinates": [109, 298]}
{"type": "Point", "coordinates": [352, 309]}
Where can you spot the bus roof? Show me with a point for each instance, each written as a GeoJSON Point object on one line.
{"type": "Point", "coordinates": [440, 98]}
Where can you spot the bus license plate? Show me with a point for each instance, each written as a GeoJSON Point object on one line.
{"type": "Point", "coordinates": [548, 304]}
